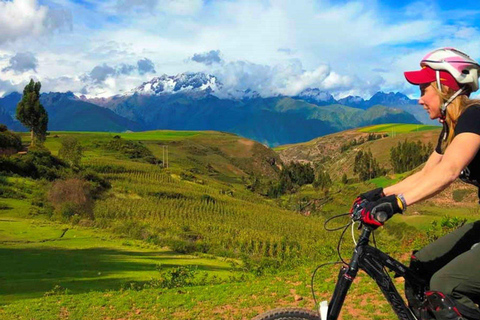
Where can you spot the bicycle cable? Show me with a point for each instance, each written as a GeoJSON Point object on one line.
{"type": "Point", "coordinates": [340, 243]}
{"type": "Point", "coordinates": [313, 278]}
{"type": "Point", "coordinates": [344, 228]}
{"type": "Point", "coordinates": [335, 217]}
{"type": "Point", "coordinates": [353, 233]}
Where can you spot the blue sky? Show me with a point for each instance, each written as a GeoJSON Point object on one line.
{"type": "Point", "coordinates": [103, 48]}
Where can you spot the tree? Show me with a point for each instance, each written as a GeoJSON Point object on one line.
{"type": "Point", "coordinates": [323, 181]}
{"type": "Point", "coordinates": [366, 166]}
{"type": "Point", "coordinates": [71, 151]}
{"type": "Point", "coordinates": [408, 155]}
{"type": "Point", "coordinates": [32, 114]}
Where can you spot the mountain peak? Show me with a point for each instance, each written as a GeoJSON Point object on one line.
{"type": "Point", "coordinates": [183, 82]}
{"type": "Point", "coordinates": [390, 99]}
{"type": "Point", "coordinates": [316, 96]}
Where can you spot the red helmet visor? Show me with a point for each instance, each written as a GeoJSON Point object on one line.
{"type": "Point", "coordinates": [428, 75]}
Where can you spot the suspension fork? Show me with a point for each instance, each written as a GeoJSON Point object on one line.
{"type": "Point", "coordinates": [345, 278]}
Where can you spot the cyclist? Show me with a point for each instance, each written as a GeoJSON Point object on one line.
{"type": "Point", "coordinates": [452, 263]}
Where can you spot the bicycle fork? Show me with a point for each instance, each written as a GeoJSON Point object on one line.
{"type": "Point", "coordinates": [345, 278]}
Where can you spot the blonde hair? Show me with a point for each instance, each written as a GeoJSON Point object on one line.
{"type": "Point", "coordinates": [454, 110]}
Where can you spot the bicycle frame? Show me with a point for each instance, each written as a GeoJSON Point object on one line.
{"type": "Point", "coordinates": [373, 262]}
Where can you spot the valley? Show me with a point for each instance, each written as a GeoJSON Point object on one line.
{"type": "Point", "coordinates": [191, 240]}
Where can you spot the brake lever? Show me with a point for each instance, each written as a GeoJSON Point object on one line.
{"type": "Point", "coordinates": [357, 211]}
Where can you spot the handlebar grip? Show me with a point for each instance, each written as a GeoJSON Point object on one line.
{"type": "Point", "coordinates": [381, 216]}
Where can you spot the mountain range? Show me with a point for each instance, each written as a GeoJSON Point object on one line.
{"type": "Point", "coordinates": [198, 101]}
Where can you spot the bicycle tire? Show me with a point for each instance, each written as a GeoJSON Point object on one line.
{"type": "Point", "coordinates": [288, 314]}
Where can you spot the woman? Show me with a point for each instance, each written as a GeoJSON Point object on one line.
{"type": "Point", "coordinates": [446, 80]}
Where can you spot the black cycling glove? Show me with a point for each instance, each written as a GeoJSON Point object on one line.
{"type": "Point", "coordinates": [370, 196]}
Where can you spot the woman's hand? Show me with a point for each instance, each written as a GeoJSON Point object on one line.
{"type": "Point", "coordinates": [370, 196]}
{"type": "Point", "coordinates": [389, 205]}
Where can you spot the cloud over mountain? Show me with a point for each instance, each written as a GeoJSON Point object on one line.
{"type": "Point", "coordinates": [207, 58]}
{"type": "Point", "coordinates": [102, 72]}
{"type": "Point", "coordinates": [145, 66]}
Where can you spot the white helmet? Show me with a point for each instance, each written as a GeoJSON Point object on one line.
{"type": "Point", "coordinates": [464, 69]}
{"type": "Point", "coordinates": [450, 67]}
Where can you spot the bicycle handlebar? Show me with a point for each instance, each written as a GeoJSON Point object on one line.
{"type": "Point", "coordinates": [381, 216]}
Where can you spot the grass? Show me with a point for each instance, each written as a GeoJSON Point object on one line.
{"type": "Point", "coordinates": [89, 272]}
{"type": "Point", "coordinates": [35, 259]}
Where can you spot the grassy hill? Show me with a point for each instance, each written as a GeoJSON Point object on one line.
{"type": "Point", "coordinates": [328, 149]}
{"type": "Point", "coordinates": [190, 241]}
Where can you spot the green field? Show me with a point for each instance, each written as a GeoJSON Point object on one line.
{"type": "Point", "coordinates": [397, 128]}
{"type": "Point", "coordinates": [248, 253]}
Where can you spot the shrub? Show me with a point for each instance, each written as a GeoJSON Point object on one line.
{"type": "Point", "coordinates": [131, 149]}
{"type": "Point", "coordinates": [9, 140]}
{"type": "Point", "coordinates": [71, 151]}
{"type": "Point", "coordinates": [261, 265]}
{"type": "Point", "coordinates": [70, 197]}
{"type": "Point", "coordinates": [181, 276]}
{"type": "Point", "coordinates": [37, 163]}
{"type": "Point", "coordinates": [446, 225]}
{"type": "Point", "coordinates": [97, 184]}
{"type": "Point", "coordinates": [182, 246]}
{"type": "Point", "coordinates": [57, 290]}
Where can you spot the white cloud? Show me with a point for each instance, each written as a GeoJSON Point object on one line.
{"type": "Point", "coordinates": [25, 18]}
{"type": "Point", "coordinates": [354, 47]}
{"type": "Point", "coordinates": [286, 79]}
{"type": "Point", "coordinates": [22, 62]}
{"type": "Point", "coordinates": [6, 86]}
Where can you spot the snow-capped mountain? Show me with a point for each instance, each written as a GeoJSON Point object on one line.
{"type": "Point", "coordinates": [183, 82]}
{"type": "Point", "coordinates": [353, 101]}
{"type": "Point", "coordinates": [316, 96]}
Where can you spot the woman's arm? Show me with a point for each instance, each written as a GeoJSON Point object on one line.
{"type": "Point", "coordinates": [458, 155]}
{"type": "Point", "coordinates": [411, 181]}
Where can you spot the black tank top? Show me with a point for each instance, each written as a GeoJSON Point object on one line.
{"type": "Point", "coordinates": [469, 121]}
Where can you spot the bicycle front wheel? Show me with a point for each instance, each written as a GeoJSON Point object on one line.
{"type": "Point", "coordinates": [288, 314]}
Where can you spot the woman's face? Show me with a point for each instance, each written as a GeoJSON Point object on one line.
{"type": "Point", "coordinates": [430, 100]}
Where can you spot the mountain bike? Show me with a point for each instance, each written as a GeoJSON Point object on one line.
{"type": "Point", "coordinates": [375, 263]}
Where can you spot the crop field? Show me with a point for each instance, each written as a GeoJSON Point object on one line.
{"type": "Point", "coordinates": [187, 241]}
{"type": "Point", "coordinates": [398, 128]}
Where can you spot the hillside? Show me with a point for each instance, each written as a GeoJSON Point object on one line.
{"type": "Point", "coordinates": [328, 149]}
{"type": "Point", "coordinates": [190, 241]}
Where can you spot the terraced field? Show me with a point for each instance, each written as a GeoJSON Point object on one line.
{"type": "Point", "coordinates": [232, 252]}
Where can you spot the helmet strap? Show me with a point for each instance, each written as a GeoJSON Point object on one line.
{"type": "Point", "coordinates": [439, 83]}
{"type": "Point", "coordinates": [443, 109]}
{"type": "Point", "coordinates": [445, 130]}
